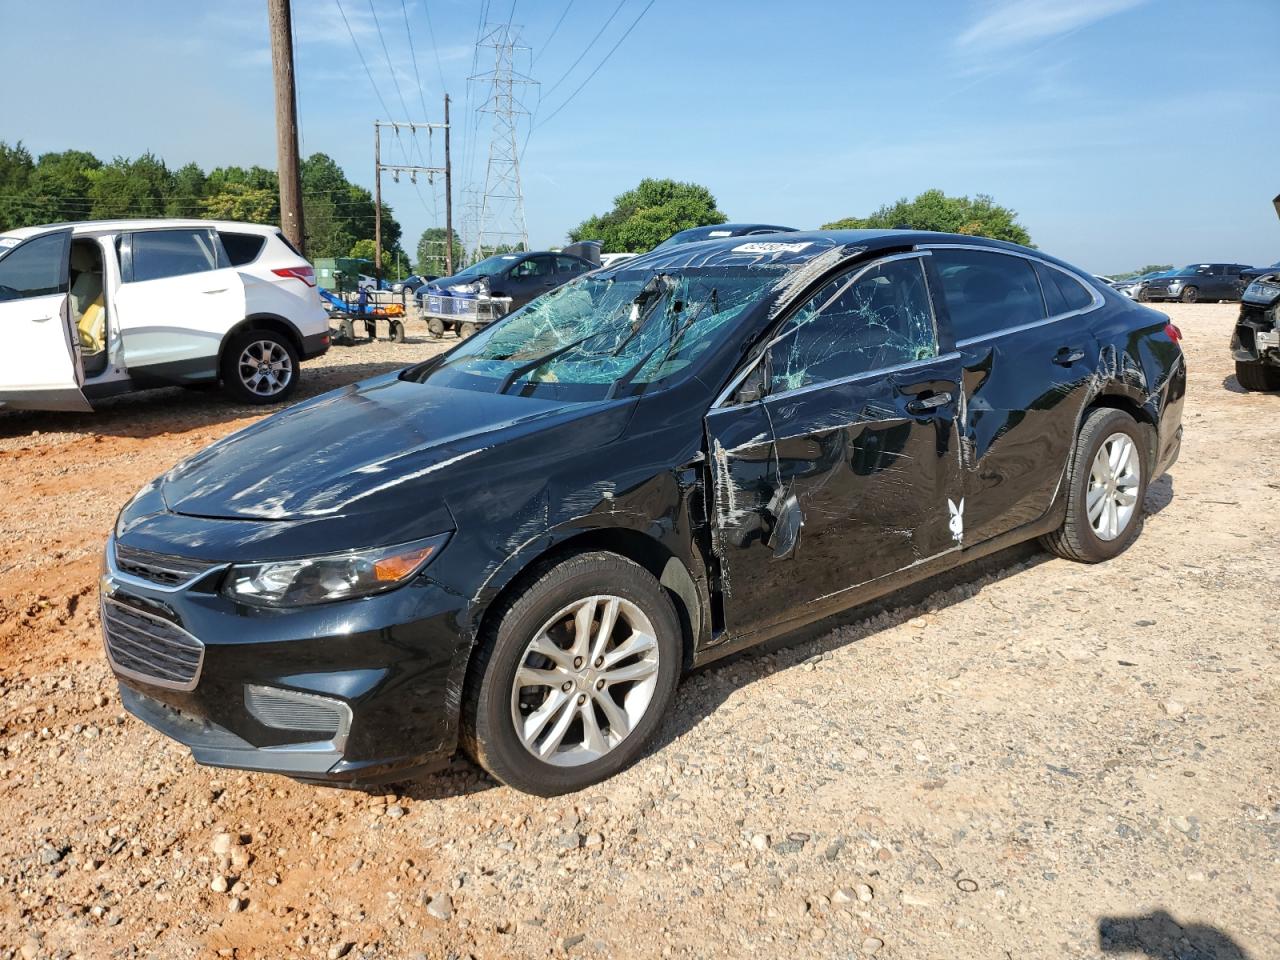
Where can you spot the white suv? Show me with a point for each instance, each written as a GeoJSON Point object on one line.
{"type": "Point", "coordinates": [93, 309]}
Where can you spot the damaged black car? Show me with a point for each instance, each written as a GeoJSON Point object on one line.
{"type": "Point", "coordinates": [518, 546]}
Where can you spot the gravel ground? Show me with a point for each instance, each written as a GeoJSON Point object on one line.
{"type": "Point", "coordinates": [1037, 759]}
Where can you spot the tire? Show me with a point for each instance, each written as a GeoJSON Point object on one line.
{"type": "Point", "coordinates": [1141, 296]}
{"type": "Point", "coordinates": [467, 330]}
{"type": "Point", "coordinates": [1081, 537]}
{"type": "Point", "coordinates": [1256, 375]}
{"type": "Point", "coordinates": [1189, 295]}
{"type": "Point", "coordinates": [260, 386]}
{"type": "Point", "coordinates": [546, 608]}
{"type": "Point", "coordinates": [435, 327]}
{"type": "Point", "coordinates": [397, 331]}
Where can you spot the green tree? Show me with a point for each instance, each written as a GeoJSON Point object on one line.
{"type": "Point", "coordinates": [642, 218]}
{"type": "Point", "coordinates": [60, 186]}
{"type": "Point", "coordinates": [239, 201]}
{"type": "Point", "coordinates": [130, 188]}
{"type": "Point", "coordinates": [431, 261]}
{"type": "Point", "coordinates": [16, 168]}
{"type": "Point", "coordinates": [980, 216]}
{"type": "Point", "coordinates": [188, 194]}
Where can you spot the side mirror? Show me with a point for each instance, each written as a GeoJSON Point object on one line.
{"type": "Point", "coordinates": [756, 385]}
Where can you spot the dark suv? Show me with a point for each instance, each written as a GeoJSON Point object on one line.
{"type": "Point", "coordinates": [520, 545]}
{"type": "Point", "coordinates": [1197, 282]}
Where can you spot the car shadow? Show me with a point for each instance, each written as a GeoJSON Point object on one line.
{"type": "Point", "coordinates": [151, 413]}
{"type": "Point", "coordinates": [1159, 495]}
{"type": "Point", "coordinates": [1233, 385]}
{"type": "Point", "coordinates": [1159, 936]}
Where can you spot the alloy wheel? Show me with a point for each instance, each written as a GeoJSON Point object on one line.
{"type": "Point", "coordinates": [585, 680]}
{"type": "Point", "coordinates": [265, 368]}
{"type": "Point", "coordinates": [1114, 478]}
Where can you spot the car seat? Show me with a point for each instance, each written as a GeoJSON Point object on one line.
{"type": "Point", "coordinates": [88, 308]}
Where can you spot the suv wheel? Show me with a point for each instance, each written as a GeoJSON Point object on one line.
{"type": "Point", "coordinates": [573, 677]}
{"type": "Point", "coordinates": [259, 366]}
{"type": "Point", "coordinates": [1105, 490]}
{"type": "Point", "coordinates": [1189, 295]}
{"type": "Point", "coordinates": [1256, 375]}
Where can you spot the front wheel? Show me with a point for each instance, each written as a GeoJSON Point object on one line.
{"type": "Point", "coordinates": [573, 676]}
{"type": "Point", "coordinates": [1256, 375]}
{"type": "Point", "coordinates": [1189, 295]}
{"type": "Point", "coordinates": [1107, 485]}
{"type": "Point", "coordinates": [467, 330]}
{"type": "Point", "coordinates": [259, 367]}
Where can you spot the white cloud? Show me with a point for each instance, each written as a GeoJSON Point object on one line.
{"type": "Point", "coordinates": [1007, 24]}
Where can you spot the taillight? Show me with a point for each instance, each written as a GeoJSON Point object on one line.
{"type": "Point", "coordinates": [1172, 332]}
{"type": "Point", "coordinates": [305, 274]}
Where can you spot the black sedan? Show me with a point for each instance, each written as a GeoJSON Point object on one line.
{"type": "Point", "coordinates": [520, 545]}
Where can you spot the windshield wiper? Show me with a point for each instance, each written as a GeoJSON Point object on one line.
{"type": "Point", "coordinates": [531, 365]}
{"type": "Point", "coordinates": [676, 334]}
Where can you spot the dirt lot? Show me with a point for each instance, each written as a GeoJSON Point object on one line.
{"type": "Point", "coordinates": [1042, 760]}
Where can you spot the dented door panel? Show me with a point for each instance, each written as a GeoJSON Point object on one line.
{"type": "Point", "coordinates": [854, 488]}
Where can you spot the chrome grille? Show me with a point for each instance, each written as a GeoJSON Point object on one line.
{"type": "Point", "coordinates": [150, 648]}
{"type": "Point", "coordinates": [157, 567]}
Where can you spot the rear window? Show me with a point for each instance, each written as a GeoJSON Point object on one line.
{"type": "Point", "coordinates": [172, 253]}
{"type": "Point", "coordinates": [1062, 293]}
{"type": "Point", "coordinates": [242, 248]}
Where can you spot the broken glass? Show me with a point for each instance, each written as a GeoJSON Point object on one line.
{"type": "Point", "coordinates": [864, 320]}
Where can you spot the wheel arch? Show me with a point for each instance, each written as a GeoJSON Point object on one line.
{"type": "Point", "coordinates": [1116, 397]}
{"type": "Point", "coordinates": [261, 321]}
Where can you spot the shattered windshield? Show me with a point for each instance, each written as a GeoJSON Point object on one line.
{"type": "Point", "coordinates": [488, 266]}
{"type": "Point", "coordinates": [601, 335]}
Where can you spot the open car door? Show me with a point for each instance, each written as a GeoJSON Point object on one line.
{"type": "Point", "coordinates": [40, 363]}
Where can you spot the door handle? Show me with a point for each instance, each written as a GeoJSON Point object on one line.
{"type": "Point", "coordinates": [1066, 356]}
{"type": "Point", "coordinates": [42, 319]}
{"type": "Point", "coordinates": [218, 290]}
{"type": "Point", "coordinates": [931, 402]}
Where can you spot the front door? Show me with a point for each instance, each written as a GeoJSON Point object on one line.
{"type": "Point", "coordinates": [531, 277]}
{"type": "Point", "coordinates": [40, 364]}
{"type": "Point", "coordinates": [1028, 360]}
{"type": "Point", "coordinates": [845, 471]}
{"type": "Point", "coordinates": [177, 299]}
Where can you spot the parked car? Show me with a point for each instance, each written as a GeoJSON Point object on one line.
{"type": "Point", "coordinates": [519, 545]}
{"type": "Point", "coordinates": [610, 259]}
{"type": "Point", "coordinates": [494, 287]}
{"type": "Point", "coordinates": [1255, 342]}
{"type": "Point", "coordinates": [1196, 282]}
{"type": "Point", "coordinates": [410, 284]}
{"type": "Point", "coordinates": [1253, 273]}
{"type": "Point", "coordinates": [105, 307]}
{"type": "Point", "coordinates": [1130, 286]}
{"type": "Point", "coordinates": [718, 231]}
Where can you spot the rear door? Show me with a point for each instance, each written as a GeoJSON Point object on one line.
{"type": "Point", "coordinates": [178, 298]}
{"type": "Point", "coordinates": [40, 363]}
{"type": "Point", "coordinates": [1028, 359]}
{"type": "Point", "coordinates": [841, 474]}
{"type": "Point", "coordinates": [531, 277]}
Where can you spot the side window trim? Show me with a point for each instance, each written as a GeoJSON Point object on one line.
{"type": "Point", "coordinates": [1018, 328]}
{"type": "Point", "coordinates": [786, 315]}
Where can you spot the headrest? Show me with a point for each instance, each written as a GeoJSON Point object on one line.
{"type": "Point", "coordinates": [85, 258]}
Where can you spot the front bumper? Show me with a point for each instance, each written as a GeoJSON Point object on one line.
{"type": "Point", "coordinates": [1257, 335]}
{"type": "Point", "coordinates": [390, 665]}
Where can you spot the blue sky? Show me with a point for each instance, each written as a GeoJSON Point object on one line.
{"type": "Point", "coordinates": [1123, 132]}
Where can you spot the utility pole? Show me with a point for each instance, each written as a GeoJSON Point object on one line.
{"type": "Point", "coordinates": [398, 168]}
{"type": "Point", "coordinates": [448, 196]}
{"type": "Point", "coordinates": [280, 21]}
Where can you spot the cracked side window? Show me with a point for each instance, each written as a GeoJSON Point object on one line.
{"type": "Point", "coordinates": [857, 323]}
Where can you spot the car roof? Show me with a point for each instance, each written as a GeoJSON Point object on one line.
{"type": "Point", "coordinates": [125, 226]}
{"type": "Point", "coordinates": [800, 247]}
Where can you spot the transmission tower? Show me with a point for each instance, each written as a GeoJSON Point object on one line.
{"type": "Point", "coordinates": [501, 215]}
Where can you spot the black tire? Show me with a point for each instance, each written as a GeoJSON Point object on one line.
{"type": "Point", "coordinates": [1141, 296]}
{"type": "Point", "coordinates": [488, 729]}
{"type": "Point", "coordinates": [234, 384]}
{"type": "Point", "coordinates": [467, 330]}
{"type": "Point", "coordinates": [1256, 375]}
{"type": "Point", "coordinates": [1076, 539]}
{"type": "Point", "coordinates": [435, 327]}
{"type": "Point", "coordinates": [397, 331]}
{"type": "Point", "coordinates": [1189, 295]}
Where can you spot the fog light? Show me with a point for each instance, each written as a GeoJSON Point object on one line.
{"type": "Point", "coordinates": [300, 712]}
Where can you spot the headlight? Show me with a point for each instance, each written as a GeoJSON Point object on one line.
{"type": "Point", "coordinates": [339, 576]}
{"type": "Point", "coordinates": [475, 286]}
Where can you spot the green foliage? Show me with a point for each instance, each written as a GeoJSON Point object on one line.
{"type": "Point", "coordinates": [76, 185]}
{"type": "Point", "coordinates": [431, 260]}
{"type": "Point", "coordinates": [1149, 268]}
{"type": "Point", "coordinates": [980, 216]}
{"type": "Point", "coordinates": [642, 218]}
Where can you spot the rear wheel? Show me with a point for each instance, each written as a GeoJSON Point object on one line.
{"type": "Point", "coordinates": [1105, 490]}
{"type": "Point", "coordinates": [1256, 375]}
{"type": "Point", "coordinates": [259, 367]}
{"type": "Point", "coordinates": [573, 676]}
{"type": "Point", "coordinates": [435, 326]}
{"type": "Point", "coordinates": [466, 330]}
{"type": "Point", "coordinates": [397, 331]}
{"type": "Point", "coordinates": [1189, 295]}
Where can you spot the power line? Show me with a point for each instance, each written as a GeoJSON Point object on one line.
{"type": "Point", "coordinates": [431, 31]}
{"type": "Point", "coordinates": [611, 52]}
{"type": "Point", "coordinates": [386, 55]}
{"type": "Point", "coordinates": [408, 32]}
{"type": "Point", "coordinates": [367, 72]}
{"type": "Point", "coordinates": [554, 30]}
{"type": "Point", "coordinates": [564, 76]}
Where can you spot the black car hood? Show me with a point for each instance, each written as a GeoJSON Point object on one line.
{"type": "Point", "coordinates": [386, 443]}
